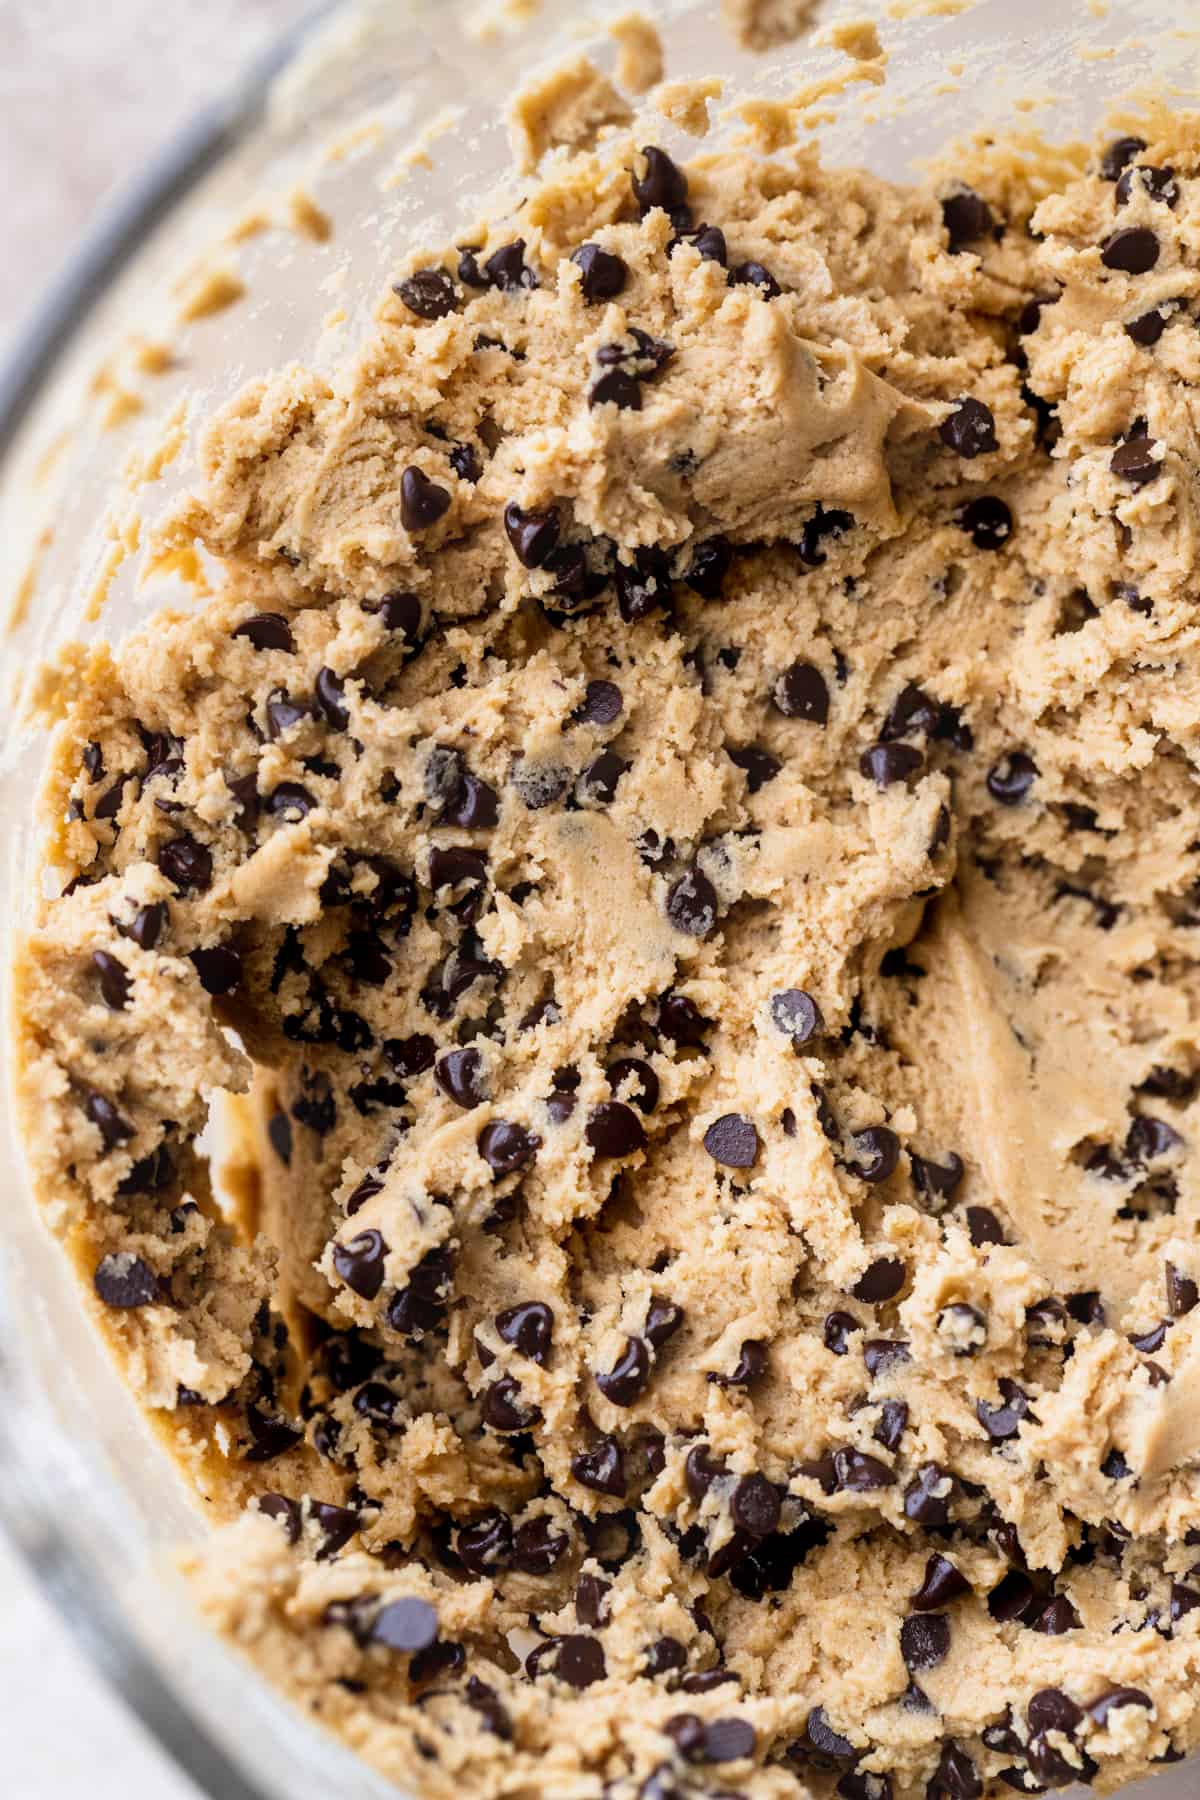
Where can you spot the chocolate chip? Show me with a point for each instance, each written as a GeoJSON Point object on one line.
{"type": "Point", "coordinates": [590, 1596]}
{"type": "Point", "coordinates": [147, 925]}
{"type": "Point", "coordinates": [822, 1743]}
{"type": "Point", "coordinates": [710, 564]}
{"type": "Point", "coordinates": [430, 293]}
{"type": "Point", "coordinates": [749, 1368]}
{"type": "Point", "coordinates": [969, 431]}
{"type": "Point", "coordinates": [637, 1078]}
{"type": "Point", "coordinates": [797, 1015]}
{"type": "Point", "coordinates": [942, 1583]}
{"type": "Point", "coordinates": [410, 1056]}
{"type": "Point", "coordinates": [538, 1548]}
{"type": "Point", "coordinates": [728, 1740]}
{"type": "Point", "coordinates": [837, 1331]}
{"type": "Point", "coordinates": [1183, 1295]}
{"type": "Point", "coordinates": [1118, 155]}
{"type": "Point", "coordinates": [933, 1180]}
{"type": "Point", "coordinates": [266, 631]}
{"type": "Point", "coordinates": [757, 764]}
{"type": "Point", "coordinates": [662, 183]}
{"type": "Point", "coordinates": [329, 693]}
{"type": "Point", "coordinates": [401, 611]}
{"type": "Point", "coordinates": [507, 269]}
{"type": "Point", "coordinates": [286, 1513]}
{"type": "Point", "coordinates": [603, 275]}
{"type": "Point", "coordinates": [876, 1153]}
{"type": "Point", "coordinates": [112, 1126]}
{"type": "Point", "coordinates": [882, 1354]}
{"type": "Point", "coordinates": [732, 1140]}
{"type": "Point", "coordinates": [1148, 327]}
{"type": "Point", "coordinates": [360, 1263]}
{"type": "Point", "coordinates": [503, 1408]}
{"type": "Point", "coordinates": [988, 521]}
{"type": "Point", "coordinates": [219, 969]}
{"type": "Point", "coordinates": [1004, 1422]}
{"type": "Point", "coordinates": [124, 1280]}
{"type": "Point", "coordinates": [114, 980]}
{"type": "Point", "coordinates": [598, 782]}
{"type": "Point", "coordinates": [460, 1074]}
{"type": "Point", "coordinates": [887, 764]}
{"type": "Point", "coordinates": [1150, 1341]}
{"type": "Point", "coordinates": [1115, 1698]}
{"type": "Point", "coordinates": [602, 703]}
{"type": "Point", "coordinates": [186, 864]}
{"type": "Point", "coordinates": [801, 693]}
{"type": "Point", "coordinates": [336, 1525]}
{"type": "Point", "coordinates": [927, 1498]}
{"type": "Point", "coordinates": [617, 387]}
{"type": "Point", "coordinates": [473, 805]}
{"type": "Point", "coordinates": [601, 1468]}
{"type": "Point", "coordinates": [406, 1625]}
{"type": "Point", "coordinates": [533, 534]}
{"type": "Point", "coordinates": [1158, 184]}
{"type": "Point", "coordinates": [291, 802]}
{"type": "Point", "coordinates": [924, 1641]}
{"type": "Point", "coordinates": [955, 1778]}
{"type": "Point", "coordinates": [626, 1380]}
{"type": "Point", "coordinates": [755, 1505]}
{"type": "Point", "coordinates": [663, 1320]}
{"type": "Point", "coordinates": [422, 501]}
{"type": "Point", "coordinates": [1184, 1600]}
{"type": "Point", "coordinates": [983, 1227]}
{"type": "Point", "coordinates": [528, 1328]}
{"type": "Point", "coordinates": [1133, 250]}
{"type": "Point", "coordinates": [614, 1129]}
{"type": "Point", "coordinates": [1052, 1710]}
{"type": "Point", "coordinates": [1010, 779]}
{"type": "Point", "coordinates": [857, 1472]}
{"type": "Point", "coordinates": [486, 1545]}
{"type": "Point", "coordinates": [664, 1656]}
{"type": "Point", "coordinates": [753, 274]}
{"type": "Point", "coordinates": [681, 1022]}
{"type": "Point", "coordinates": [283, 713]}
{"type": "Point", "coordinates": [279, 1132]}
{"type": "Point", "coordinates": [574, 1658]}
{"type": "Point", "coordinates": [882, 1281]}
{"type": "Point", "coordinates": [506, 1147]}
{"type": "Point", "coordinates": [421, 1306]}
{"type": "Point", "coordinates": [692, 904]}
{"type": "Point", "coordinates": [643, 585]}
{"type": "Point", "coordinates": [1149, 1139]}
{"type": "Point", "coordinates": [1135, 461]}
{"type": "Point", "coordinates": [860, 1784]}
{"type": "Point", "coordinates": [967, 218]}
{"type": "Point", "coordinates": [1057, 1618]}
{"type": "Point", "coordinates": [911, 711]}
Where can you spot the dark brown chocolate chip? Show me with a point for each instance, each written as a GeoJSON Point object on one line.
{"type": "Point", "coordinates": [750, 1366]}
{"type": "Point", "coordinates": [266, 631]}
{"type": "Point", "coordinates": [407, 1625]}
{"type": "Point", "coordinates": [663, 1320]}
{"type": "Point", "coordinates": [617, 387]}
{"type": "Point", "coordinates": [681, 1022]}
{"type": "Point", "coordinates": [614, 1129]}
{"type": "Point", "coordinates": [329, 694]}
{"type": "Point", "coordinates": [279, 1132]}
{"type": "Point", "coordinates": [538, 1548]}
{"type": "Point", "coordinates": [283, 713]}
{"type": "Point", "coordinates": [797, 1015]}
{"type": "Point", "coordinates": [360, 1263]}
{"type": "Point", "coordinates": [1149, 1139]}
{"type": "Point", "coordinates": [1183, 1295]}
{"type": "Point", "coordinates": [692, 904]}
{"type": "Point", "coordinates": [401, 612]}
{"type": "Point", "coordinates": [983, 1227]}
{"type": "Point", "coordinates": [955, 1778]}
{"type": "Point", "coordinates": [936, 1181]}
{"type": "Point", "coordinates": [638, 1080]}
{"type": "Point", "coordinates": [528, 1327]}
{"type": "Point", "coordinates": [1004, 1421]}
{"type": "Point", "coordinates": [1010, 779]}
{"type": "Point", "coordinates": [732, 1140]}
{"type": "Point", "coordinates": [533, 534]}
{"type": "Point", "coordinates": [882, 1281]}
{"type": "Point", "coordinates": [603, 275]}
{"type": "Point", "coordinates": [507, 269]}
{"type": "Point", "coordinates": [643, 585]}
{"type": "Point", "coordinates": [114, 980]}
{"type": "Point", "coordinates": [822, 1743]}
{"type": "Point", "coordinates": [506, 1147]}
{"type": "Point", "coordinates": [1157, 184]}
{"type": "Point", "coordinates": [1052, 1710]}
{"type": "Point", "coordinates": [291, 802]}
{"type": "Point", "coordinates": [988, 521]}
{"type": "Point", "coordinates": [861, 1784]}
{"type": "Point", "coordinates": [924, 1641]}
{"type": "Point", "coordinates": [430, 293]}
{"type": "Point", "coordinates": [109, 803]}
{"type": "Point", "coordinates": [801, 692]}
{"type": "Point", "coordinates": [662, 183]}
{"type": "Point", "coordinates": [882, 1354]}
{"type": "Point", "coordinates": [271, 1435]}
{"type": "Point", "coordinates": [755, 1505]}
{"type": "Point", "coordinates": [421, 1306]}
{"type": "Point", "coordinates": [728, 1740]}
{"type": "Point", "coordinates": [942, 1583]}
{"type": "Point", "coordinates": [187, 864]}
{"type": "Point", "coordinates": [574, 1658]}
{"type": "Point", "coordinates": [219, 969]}
{"type": "Point", "coordinates": [113, 1127]}
{"type": "Point", "coordinates": [927, 1498]}
{"type": "Point", "coordinates": [504, 1410]}
{"type": "Point", "coordinates": [753, 274]}
{"type": "Point", "coordinates": [1135, 461]}
{"type": "Point", "coordinates": [1133, 250]}
{"type": "Point", "coordinates": [626, 1380]}
{"type": "Point", "coordinates": [876, 1153]}
{"type": "Point", "coordinates": [1149, 326]}
{"type": "Point", "coordinates": [1057, 1618]}
{"type": "Point", "coordinates": [664, 1656]}
{"type": "Point", "coordinates": [1116, 1697]}
{"type": "Point", "coordinates": [460, 1075]}
{"type": "Point", "coordinates": [970, 430]}
{"type": "Point", "coordinates": [838, 1330]}
{"type": "Point", "coordinates": [912, 711]}
{"type": "Point", "coordinates": [1118, 155]}
{"type": "Point", "coordinates": [1184, 1600]}
{"type": "Point", "coordinates": [336, 1525]}
{"type": "Point", "coordinates": [284, 1511]}
{"type": "Point", "coordinates": [422, 501]}
{"type": "Point", "coordinates": [601, 1468]}
{"type": "Point", "coordinates": [710, 564]}
{"type": "Point", "coordinates": [599, 780]}
{"type": "Point", "coordinates": [124, 1280]}
{"type": "Point", "coordinates": [602, 703]}
{"type": "Point", "coordinates": [410, 1056]}
{"type": "Point", "coordinates": [887, 764]}
{"type": "Point", "coordinates": [757, 764]}
{"type": "Point", "coordinates": [591, 1594]}
{"type": "Point", "coordinates": [967, 218]}
{"type": "Point", "coordinates": [1150, 1341]}
{"type": "Point", "coordinates": [859, 1473]}
{"type": "Point", "coordinates": [147, 925]}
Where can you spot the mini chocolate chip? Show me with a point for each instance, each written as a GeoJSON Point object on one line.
{"type": "Point", "coordinates": [876, 1152]}
{"type": "Point", "coordinates": [574, 1658]}
{"type": "Point", "coordinates": [911, 711]}
{"type": "Point", "coordinates": [1133, 250]}
{"type": "Point", "coordinates": [147, 925]}
{"type": "Point", "coordinates": [663, 1656]}
{"type": "Point", "coordinates": [1116, 1697]}
{"type": "Point", "coordinates": [1057, 1618]}
{"type": "Point", "coordinates": [112, 1126]}
{"type": "Point", "coordinates": [603, 275]}
{"type": "Point", "coordinates": [1148, 327]}
{"type": "Point", "coordinates": [967, 218]}
{"type": "Point", "coordinates": [602, 703]}
{"type": "Point", "coordinates": [507, 269]}
{"type": "Point", "coordinates": [732, 1140]}
{"type": "Point", "coordinates": [590, 1595]}
{"type": "Point", "coordinates": [430, 293]}
{"type": "Point", "coordinates": [927, 1498]}
{"type": "Point", "coordinates": [1004, 1421]}
{"type": "Point", "coordinates": [983, 1227]}
{"type": "Point", "coordinates": [728, 1740]}
{"type": "Point", "coordinates": [970, 430]}
{"type": "Point", "coordinates": [1158, 184]}
{"type": "Point", "coordinates": [187, 864]}
{"type": "Point", "coordinates": [538, 1548]}
{"type": "Point", "coordinates": [955, 1778]}
{"type": "Point", "coordinates": [329, 693]}
{"type": "Point", "coordinates": [528, 1327]}
{"type": "Point", "coordinates": [1135, 460]}
{"type": "Point", "coordinates": [1149, 1139]}
{"type": "Point", "coordinates": [988, 521]}
{"type": "Point", "coordinates": [503, 1408]}
{"type": "Point", "coordinates": [283, 713]}
{"type": "Point", "coordinates": [599, 780]}
{"type": "Point", "coordinates": [886, 764]}
{"type": "Point", "coordinates": [284, 1511]}
{"type": "Point", "coordinates": [267, 631]}
{"type": "Point", "coordinates": [942, 1583]}
{"type": "Point", "coordinates": [924, 1641]}
{"type": "Point", "coordinates": [601, 1468]}
{"type": "Point", "coordinates": [626, 1380]}
{"type": "Point", "coordinates": [614, 1129]}
{"type": "Point", "coordinates": [360, 1263]}
{"type": "Point", "coordinates": [823, 1743]}
{"type": "Point", "coordinates": [1183, 1295]}
{"type": "Point", "coordinates": [857, 1472]}
{"type": "Point", "coordinates": [692, 904]}
{"type": "Point", "coordinates": [422, 501]}
{"type": "Point", "coordinates": [114, 980]}
{"type": "Point", "coordinates": [797, 1015]}
{"type": "Point", "coordinates": [753, 274]}
{"type": "Point", "coordinates": [407, 1625]}
{"type": "Point", "coordinates": [1010, 779]}
{"type": "Point", "coordinates": [681, 1022]}
{"type": "Point", "coordinates": [749, 1368]}
{"type": "Point", "coordinates": [124, 1280]}
{"type": "Point", "coordinates": [882, 1281]}
{"type": "Point", "coordinates": [710, 564]}
{"type": "Point", "coordinates": [506, 1147]}
{"type": "Point", "coordinates": [410, 1056]}
{"type": "Point", "coordinates": [882, 1354]}
{"type": "Point", "coordinates": [643, 585]}
{"type": "Point", "coordinates": [460, 1074]}
{"type": "Point", "coordinates": [533, 534]}
{"type": "Point", "coordinates": [663, 1320]}
{"type": "Point", "coordinates": [837, 1331]}
{"type": "Point", "coordinates": [801, 692]}
{"type": "Point", "coordinates": [219, 969]}
{"type": "Point", "coordinates": [755, 1505]}
{"type": "Point", "coordinates": [1118, 155]}
{"type": "Point", "coordinates": [757, 764]}
{"type": "Point", "coordinates": [290, 802]}
{"type": "Point", "coordinates": [936, 1180]}
{"type": "Point", "coordinates": [662, 183]}
{"type": "Point", "coordinates": [637, 1078]}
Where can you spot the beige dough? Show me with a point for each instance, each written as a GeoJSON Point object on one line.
{"type": "Point", "coordinates": [716, 960]}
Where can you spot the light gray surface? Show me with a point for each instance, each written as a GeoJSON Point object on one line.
{"type": "Point", "coordinates": [89, 92]}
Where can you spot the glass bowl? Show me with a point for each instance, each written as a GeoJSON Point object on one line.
{"type": "Point", "coordinates": [390, 118]}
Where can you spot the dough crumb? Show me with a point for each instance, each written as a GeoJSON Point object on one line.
{"type": "Point", "coordinates": [308, 219]}
{"type": "Point", "coordinates": [685, 103]}
{"type": "Point", "coordinates": [639, 52]}
{"type": "Point", "coordinates": [767, 24]}
{"type": "Point", "coordinates": [211, 293]}
{"type": "Point", "coordinates": [568, 108]}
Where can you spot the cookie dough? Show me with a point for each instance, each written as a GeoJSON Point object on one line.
{"type": "Point", "coordinates": [681, 813]}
